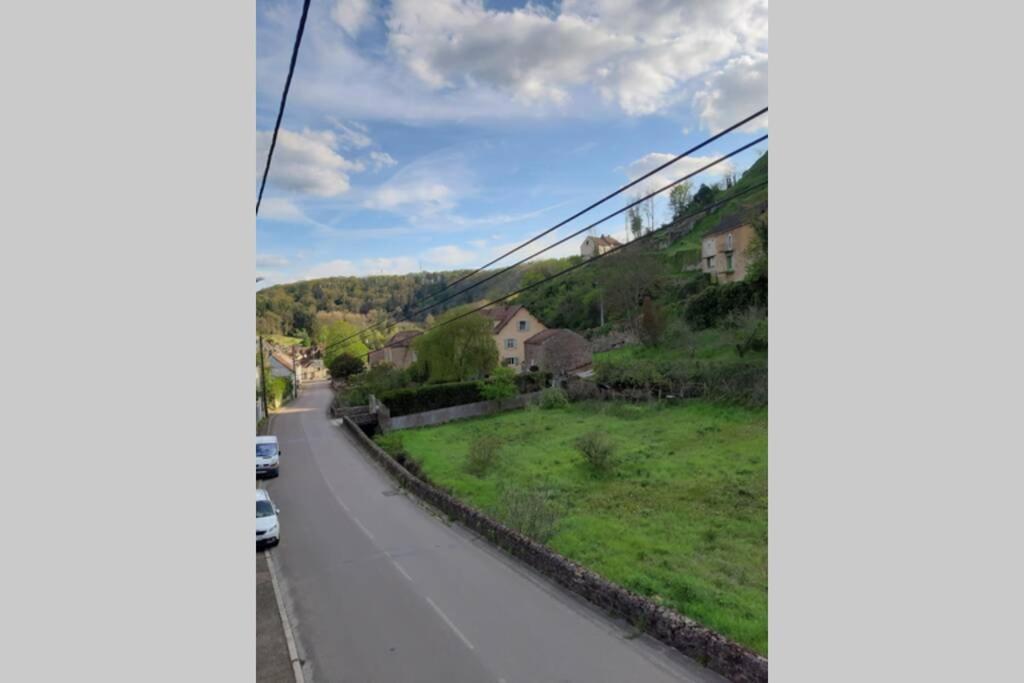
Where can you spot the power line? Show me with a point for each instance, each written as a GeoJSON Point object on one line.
{"type": "Point", "coordinates": [558, 225]}
{"type": "Point", "coordinates": [581, 264]}
{"type": "Point", "coordinates": [284, 98]}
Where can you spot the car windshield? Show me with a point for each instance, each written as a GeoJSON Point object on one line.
{"type": "Point", "coordinates": [264, 508]}
{"type": "Point", "coordinates": [266, 449]}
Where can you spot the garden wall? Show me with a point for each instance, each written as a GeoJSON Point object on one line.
{"type": "Point", "coordinates": [441, 415]}
{"type": "Point", "coordinates": [733, 661]}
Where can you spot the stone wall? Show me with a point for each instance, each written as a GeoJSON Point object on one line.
{"type": "Point", "coordinates": [442, 415]}
{"type": "Point", "coordinates": [731, 660]}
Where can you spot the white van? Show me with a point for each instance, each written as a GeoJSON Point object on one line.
{"type": "Point", "coordinates": [268, 455]}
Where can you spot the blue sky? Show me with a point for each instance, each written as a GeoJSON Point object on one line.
{"type": "Point", "coordinates": [435, 134]}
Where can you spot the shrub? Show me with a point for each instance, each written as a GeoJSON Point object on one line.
{"type": "Point", "coordinates": [345, 365]}
{"type": "Point", "coordinates": [501, 384]}
{"type": "Point", "coordinates": [581, 389]}
{"type": "Point", "coordinates": [715, 303]}
{"type": "Point", "coordinates": [597, 450]}
{"type": "Point", "coordinates": [430, 397]}
{"type": "Point", "coordinates": [279, 389]}
{"type": "Point", "coordinates": [554, 397]}
{"type": "Point", "coordinates": [483, 455]}
{"type": "Point", "coordinates": [532, 512]}
{"type": "Point", "coordinates": [742, 383]}
{"type": "Point", "coordinates": [532, 381]}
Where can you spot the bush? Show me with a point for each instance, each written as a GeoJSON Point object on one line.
{"type": "Point", "coordinates": [597, 450]}
{"type": "Point", "coordinates": [501, 384]}
{"type": "Point", "coordinates": [483, 455]}
{"type": "Point", "coordinates": [742, 383]}
{"type": "Point", "coordinates": [430, 397]}
{"type": "Point", "coordinates": [554, 398]}
{"type": "Point", "coordinates": [581, 389]}
{"type": "Point", "coordinates": [279, 390]}
{"type": "Point", "coordinates": [531, 512]}
{"type": "Point", "coordinates": [345, 365]}
{"type": "Point", "coordinates": [532, 381]}
{"type": "Point", "coordinates": [715, 303]}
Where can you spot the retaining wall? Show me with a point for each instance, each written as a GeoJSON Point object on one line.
{"type": "Point", "coordinates": [733, 661]}
{"type": "Point", "coordinates": [442, 415]}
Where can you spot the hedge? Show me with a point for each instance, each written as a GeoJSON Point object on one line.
{"type": "Point", "coordinates": [430, 397]}
{"type": "Point", "coordinates": [435, 396]}
{"type": "Point", "coordinates": [713, 304]}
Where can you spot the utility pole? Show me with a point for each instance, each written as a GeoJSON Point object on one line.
{"type": "Point", "coordinates": [263, 380]}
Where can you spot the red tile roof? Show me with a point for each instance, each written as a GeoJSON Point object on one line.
{"type": "Point", "coordinates": [500, 315]}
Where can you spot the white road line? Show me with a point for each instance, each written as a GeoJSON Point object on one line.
{"type": "Point", "coordinates": [293, 654]}
{"type": "Point", "coordinates": [400, 570]}
{"type": "Point", "coordinates": [343, 506]}
{"type": "Point", "coordinates": [451, 625]}
{"type": "Point", "coordinates": [360, 525]}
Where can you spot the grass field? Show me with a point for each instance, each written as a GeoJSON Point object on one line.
{"type": "Point", "coordinates": [713, 344]}
{"type": "Point", "coordinates": [681, 517]}
{"type": "Point", "coordinates": [282, 340]}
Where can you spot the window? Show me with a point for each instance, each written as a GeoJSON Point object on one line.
{"type": "Point", "coordinates": [728, 261]}
{"type": "Point", "coordinates": [728, 244]}
{"type": "Point", "coordinates": [524, 325]}
{"type": "Point", "coordinates": [510, 343]}
{"type": "Point", "coordinates": [510, 360]}
{"type": "Point", "coordinates": [711, 262]}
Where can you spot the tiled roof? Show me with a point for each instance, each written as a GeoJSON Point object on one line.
{"type": "Point", "coordinates": [607, 241]}
{"type": "Point", "coordinates": [403, 338]}
{"type": "Point", "coordinates": [541, 336]}
{"type": "Point", "coordinates": [500, 315]}
{"type": "Point", "coordinates": [735, 220]}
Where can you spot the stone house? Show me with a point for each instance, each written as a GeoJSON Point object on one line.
{"type": "Point", "coordinates": [724, 251]}
{"type": "Point", "coordinates": [557, 351]}
{"type": "Point", "coordinates": [594, 246]}
{"type": "Point", "coordinates": [513, 325]}
{"type": "Point", "coordinates": [397, 352]}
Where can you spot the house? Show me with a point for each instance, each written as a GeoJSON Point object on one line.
{"type": "Point", "coordinates": [397, 352]}
{"type": "Point", "coordinates": [724, 250]}
{"type": "Point", "coordinates": [595, 246]}
{"type": "Point", "coordinates": [557, 351]}
{"type": "Point", "coordinates": [513, 325]}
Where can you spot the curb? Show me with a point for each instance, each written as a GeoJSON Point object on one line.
{"type": "Point", "coordinates": [289, 635]}
{"type": "Point", "coordinates": [698, 642]}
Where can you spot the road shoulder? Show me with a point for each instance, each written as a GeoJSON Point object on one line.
{"type": "Point", "coordinates": [273, 663]}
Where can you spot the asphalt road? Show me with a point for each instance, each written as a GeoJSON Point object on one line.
{"type": "Point", "coordinates": [379, 590]}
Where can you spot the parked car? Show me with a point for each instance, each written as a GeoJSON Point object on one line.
{"type": "Point", "coordinates": [268, 455]}
{"type": "Point", "coordinates": [268, 529]}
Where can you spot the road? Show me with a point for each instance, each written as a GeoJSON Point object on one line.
{"type": "Point", "coordinates": [379, 590]}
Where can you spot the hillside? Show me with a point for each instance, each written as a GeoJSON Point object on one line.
{"type": "Point", "coordinates": [584, 300]}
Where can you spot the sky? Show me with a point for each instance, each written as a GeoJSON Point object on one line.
{"type": "Point", "coordinates": [437, 134]}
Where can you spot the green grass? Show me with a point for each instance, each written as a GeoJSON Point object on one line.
{"type": "Point", "coordinates": [713, 344]}
{"type": "Point", "coordinates": [681, 518]}
{"type": "Point", "coordinates": [282, 340]}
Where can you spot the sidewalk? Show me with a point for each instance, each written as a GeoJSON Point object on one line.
{"type": "Point", "coordinates": [272, 663]}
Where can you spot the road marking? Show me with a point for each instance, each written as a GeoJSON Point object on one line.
{"type": "Point", "coordinates": [343, 506]}
{"type": "Point", "coordinates": [289, 637]}
{"type": "Point", "coordinates": [360, 525]}
{"type": "Point", "coordinates": [400, 570]}
{"type": "Point", "coordinates": [451, 625]}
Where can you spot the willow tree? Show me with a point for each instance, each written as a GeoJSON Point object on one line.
{"type": "Point", "coordinates": [461, 349]}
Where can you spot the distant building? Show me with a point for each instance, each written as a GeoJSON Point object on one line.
{"type": "Point", "coordinates": [513, 325]}
{"type": "Point", "coordinates": [397, 352]}
{"type": "Point", "coordinates": [558, 351]}
{"type": "Point", "coordinates": [724, 250]}
{"type": "Point", "coordinates": [595, 246]}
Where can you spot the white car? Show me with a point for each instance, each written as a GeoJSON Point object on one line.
{"type": "Point", "coordinates": [268, 455]}
{"type": "Point", "coordinates": [268, 528]}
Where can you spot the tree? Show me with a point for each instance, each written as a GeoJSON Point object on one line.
{"type": "Point", "coordinates": [678, 198]}
{"type": "Point", "coordinates": [459, 350]}
{"type": "Point", "coordinates": [501, 384]}
{"type": "Point", "coordinates": [636, 222]}
{"type": "Point", "coordinates": [652, 322]}
{"type": "Point", "coordinates": [345, 365]}
{"type": "Point", "coordinates": [704, 197]}
{"type": "Point", "coordinates": [625, 277]}
{"type": "Point", "coordinates": [336, 338]}
{"type": "Point", "coordinates": [646, 211]}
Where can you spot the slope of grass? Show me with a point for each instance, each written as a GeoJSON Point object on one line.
{"type": "Point", "coordinates": [282, 340]}
{"type": "Point", "coordinates": [712, 344]}
{"type": "Point", "coordinates": [681, 518]}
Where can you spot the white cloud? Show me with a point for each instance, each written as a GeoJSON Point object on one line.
{"type": "Point", "coordinates": [734, 92]}
{"type": "Point", "coordinates": [681, 168]}
{"type": "Point", "coordinates": [280, 209]}
{"type": "Point", "coordinates": [425, 187]}
{"type": "Point", "coordinates": [635, 53]}
{"type": "Point", "coordinates": [352, 15]}
{"type": "Point", "coordinates": [307, 162]}
{"type": "Point", "coordinates": [352, 134]}
{"type": "Point", "coordinates": [381, 160]}
{"type": "Point", "coordinates": [270, 261]}
{"type": "Point", "coordinates": [370, 266]}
